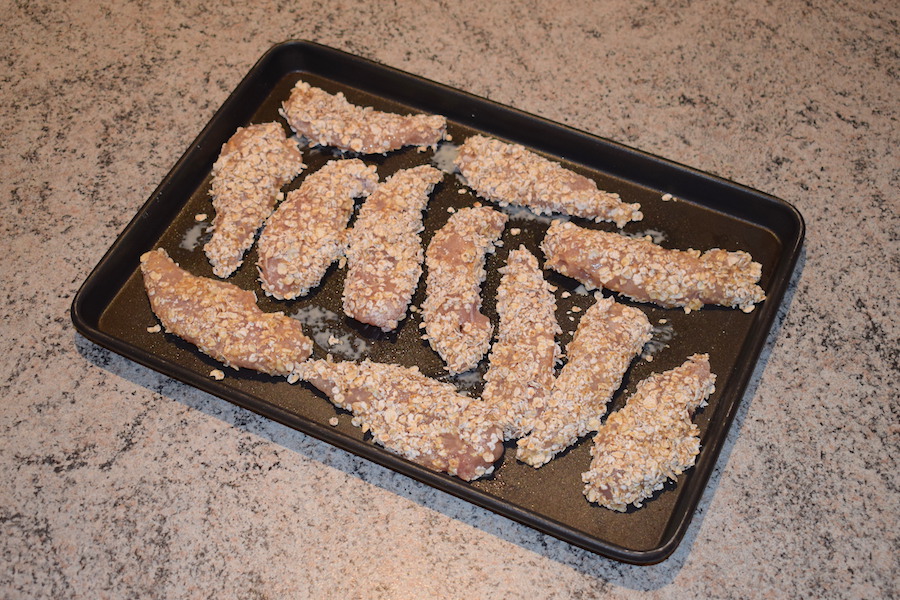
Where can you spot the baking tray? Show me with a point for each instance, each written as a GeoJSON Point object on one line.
{"type": "Point", "coordinates": [111, 308]}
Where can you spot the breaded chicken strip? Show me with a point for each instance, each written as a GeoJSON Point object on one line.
{"type": "Point", "coordinates": [221, 319]}
{"type": "Point", "coordinates": [607, 339]}
{"type": "Point", "coordinates": [330, 120]}
{"type": "Point", "coordinates": [419, 418]}
{"type": "Point", "coordinates": [645, 272]}
{"type": "Point", "coordinates": [520, 375]}
{"type": "Point", "coordinates": [384, 256]}
{"type": "Point", "coordinates": [307, 232]}
{"type": "Point", "coordinates": [246, 180]}
{"type": "Point", "coordinates": [454, 325]}
{"type": "Point", "coordinates": [510, 174]}
{"type": "Point", "coordinates": [652, 439]}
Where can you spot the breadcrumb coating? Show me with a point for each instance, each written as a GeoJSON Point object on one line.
{"type": "Point", "coordinates": [330, 120]}
{"type": "Point", "coordinates": [646, 272]}
{"type": "Point", "coordinates": [221, 319]}
{"type": "Point", "coordinates": [246, 180]}
{"type": "Point", "coordinates": [454, 325]}
{"type": "Point", "coordinates": [307, 232]}
{"type": "Point", "coordinates": [384, 255]}
{"type": "Point", "coordinates": [419, 418]}
{"type": "Point", "coordinates": [511, 174]}
{"type": "Point", "coordinates": [607, 339]}
{"type": "Point", "coordinates": [652, 439]}
{"type": "Point", "coordinates": [520, 375]}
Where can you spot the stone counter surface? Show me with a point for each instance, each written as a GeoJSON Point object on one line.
{"type": "Point", "coordinates": [118, 482]}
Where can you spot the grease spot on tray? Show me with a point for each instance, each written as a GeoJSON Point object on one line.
{"type": "Point", "coordinates": [466, 382]}
{"type": "Point", "coordinates": [326, 329]}
{"type": "Point", "coordinates": [662, 335]}
{"type": "Point", "coordinates": [193, 238]}
{"type": "Point", "coordinates": [444, 156]}
{"type": "Point", "coordinates": [520, 213]}
{"type": "Point", "coordinates": [656, 236]}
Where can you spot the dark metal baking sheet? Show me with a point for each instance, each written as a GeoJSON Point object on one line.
{"type": "Point", "coordinates": [112, 310]}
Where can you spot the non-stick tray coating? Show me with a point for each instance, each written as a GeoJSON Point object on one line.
{"type": "Point", "coordinates": [112, 309]}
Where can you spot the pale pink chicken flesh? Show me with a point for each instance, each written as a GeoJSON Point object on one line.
{"type": "Point", "coordinates": [384, 253]}
{"type": "Point", "coordinates": [330, 120]}
{"type": "Point", "coordinates": [221, 319]}
{"type": "Point", "coordinates": [246, 182]}
{"type": "Point", "coordinates": [306, 234]}
{"type": "Point", "coordinates": [511, 174]}
{"type": "Point", "coordinates": [520, 374]}
{"type": "Point", "coordinates": [652, 439]}
{"type": "Point", "coordinates": [607, 339]}
{"type": "Point", "coordinates": [646, 272]}
{"type": "Point", "coordinates": [455, 258]}
{"type": "Point", "coordinates": [417, 417]}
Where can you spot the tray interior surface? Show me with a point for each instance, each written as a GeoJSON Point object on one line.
{"type": "Point", "coordinates": [113, 310]}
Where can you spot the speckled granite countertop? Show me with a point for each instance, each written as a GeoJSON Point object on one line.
{"type": "Point", "coordinates": [118, 482]}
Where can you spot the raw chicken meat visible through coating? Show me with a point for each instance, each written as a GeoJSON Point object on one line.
{"type": "Point", "coordinates": [419, 418]}
{"type": "Point", "coordinates": [607, 339]}
{"type": "Point", "coordinates": [307, 232]}
{"type": "Point", "coordinates": [330, 120]}
{"type": "Point", "coordinates": [510, 174]}
{"type": "Point", "coordinates": [221, 319]}
{"type": "Point", "coordinates": [652, 439]}
{"type": "Point", "coordinates": [246, 181]}
{"type": "Point", "coordinates": [520, 375]}
{"type": "Point", "coordinates": [384, 255]}
{"type": "Point", "coordinates": [645, 272]}
{"type": "Point", "coordinates": [455, 258]}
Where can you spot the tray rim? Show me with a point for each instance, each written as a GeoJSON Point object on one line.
{"type": "Point", "coordinates": [681, 516]}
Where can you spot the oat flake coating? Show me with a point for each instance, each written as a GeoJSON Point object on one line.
{"type": "Point", "coordinates": [455, 258]}
{"type": "Point", "coordinates": [307, 232]}
{"type": "Point", "coordinates": [384, 253]}
{"type": "Point", "coordinates": [520, 375]}
{"type": "Point", "coordinates": [510, 174]}
{"type": "Point", "coordinates": [645, 272]}
{"type": "Point", "coordinates": [246, 179]}
{"type": "Point", "coordinates": [607, 339]}
{"type": "Point", "coordinates": [419, 418]}
{"type": "Point", "coordinates": [330, 120]}
{"type": "Point", "coordinates": [221, 319]}
{"type": "Point", "coordinates": [652, 439]}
